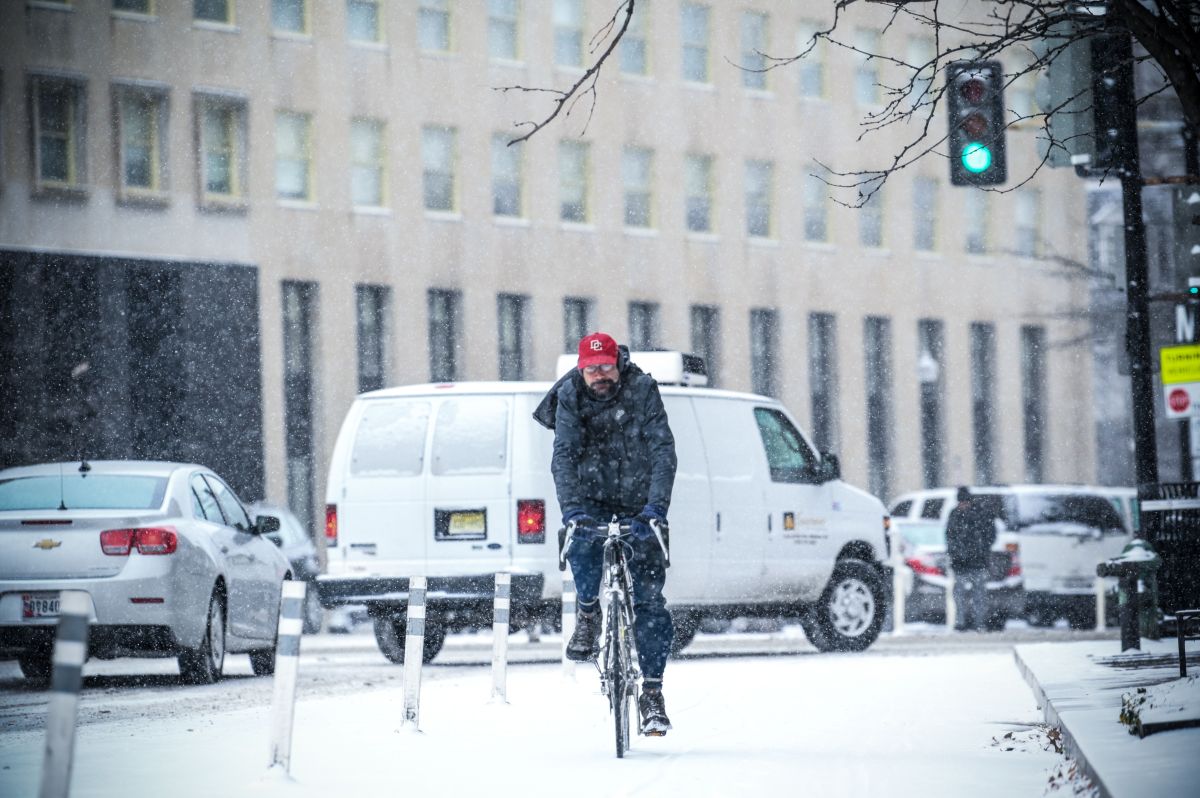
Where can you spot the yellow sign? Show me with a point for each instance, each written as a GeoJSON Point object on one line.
{"type": "Point", "coordinates": [1180, 364]}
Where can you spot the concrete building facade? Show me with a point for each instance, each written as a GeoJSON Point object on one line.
{"type": "Point", "coordinates": [354, 153]}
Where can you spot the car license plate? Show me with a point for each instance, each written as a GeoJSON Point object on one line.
{"type": "Point", "coordinates": [39, 605]}
{"type": "Point", "coordinates": [1078, 582]}
{"type": "Point", "coordinates": [460, 524]}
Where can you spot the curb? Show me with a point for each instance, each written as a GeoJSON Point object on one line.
{"type": "Point", "coordinates": [1070, 746]}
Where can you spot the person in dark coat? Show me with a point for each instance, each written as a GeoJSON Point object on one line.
{"type": "Point", "coordinates": [614, 454]}
{"type": "Point", "coordinates": [970, 533]}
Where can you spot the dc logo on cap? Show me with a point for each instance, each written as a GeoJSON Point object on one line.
{"type": "Point", "coordinates": [596, 345]}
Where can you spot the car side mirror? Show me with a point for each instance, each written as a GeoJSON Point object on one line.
{"type": "Point", "coordinates": [268, 525]}
{"type": "Point", "coordinates": [831, 467]}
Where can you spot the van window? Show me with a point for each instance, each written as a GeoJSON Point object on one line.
{"type": "Point", "coordinates": [788, 455]}
{"type": "Point", "coordinates": [390, 440]}
{"type": "Point", "coordinates": [471, 436]}
{"type": "Point", "coordinates": [902, 509]}
{"type": "Point", "coordinates": [933, 508]}
{"type": "Point", "coordinates": [1094, 511]}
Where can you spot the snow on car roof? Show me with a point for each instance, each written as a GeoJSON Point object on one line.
{"type": "Point", "coordinates": [514, 386]}
{"type": "Point", "coordinates": [155, 467]}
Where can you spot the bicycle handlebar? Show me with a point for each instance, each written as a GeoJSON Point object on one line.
{"type": "Point", "coordinates": [566, 536]}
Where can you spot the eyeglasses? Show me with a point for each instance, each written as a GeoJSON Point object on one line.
{"type": "Point", "coordinates": [601, 368]}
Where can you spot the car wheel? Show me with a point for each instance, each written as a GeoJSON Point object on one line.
{"type": "Point", "coordinates": [37, 665]}
{"type": "Point", "coordinates": [686, 625]}
{"type": "Point", "coordinates": [390, 632]}
{"type": "Point", "coordinates": [849, 614]}
{"type": "Point", "coordinates": [262, 662]}
{"type": "Point", "coordinates": [314, 613]}
{"type": "Point", "coordinates": [1040, 617]}
{"type": "Point", "coordinates": [203, 665]}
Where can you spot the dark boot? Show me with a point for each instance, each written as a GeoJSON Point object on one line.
{"type": "Point", "coordinates": [585, 643]}
{"type": "Point", "coordinates": [653, 709]}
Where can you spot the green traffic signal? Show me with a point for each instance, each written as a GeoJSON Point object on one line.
{"type": "Point", "coordinates": [976, 157]}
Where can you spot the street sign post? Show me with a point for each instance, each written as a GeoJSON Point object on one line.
{"type": "Point", "coordinates": [1180, 372]}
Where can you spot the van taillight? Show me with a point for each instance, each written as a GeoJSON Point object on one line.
{"type": "Point", "coordinates": [331, 525]}
{"type": "Point", "coordinates": [531, 521]}
{"type": "Point", "coordinates": [147, 540]}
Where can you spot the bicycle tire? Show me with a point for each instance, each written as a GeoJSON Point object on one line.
{"type": "Point", "coordinates": [617, 686]}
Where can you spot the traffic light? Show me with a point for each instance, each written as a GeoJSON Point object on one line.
{"type": "Point", "coordinates": [1113, 109]}
{"type": "Point", "coordinates": [975, 108]}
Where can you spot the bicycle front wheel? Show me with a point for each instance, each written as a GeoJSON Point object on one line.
{"type": "Point", "coordinates": [618, 685]}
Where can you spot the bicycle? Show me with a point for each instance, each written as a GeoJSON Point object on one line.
{"type": "Point", "coordinates": [618, 658]}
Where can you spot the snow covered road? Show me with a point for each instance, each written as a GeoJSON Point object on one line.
{"type": "Point", "coordinates": [897, 721]}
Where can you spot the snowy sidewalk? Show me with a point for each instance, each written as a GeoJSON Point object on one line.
{"type": "Point", "coordinates": [1081, 694]}
{"type": "Point", "coordinates": [846, 725]}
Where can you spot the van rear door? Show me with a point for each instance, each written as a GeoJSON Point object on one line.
{"type": "Point", "coordinates": [470, 518]}
{"type": "Point", "coordinates": [691, 514]}
{"type": "Point", "coordinates": [381, 519]}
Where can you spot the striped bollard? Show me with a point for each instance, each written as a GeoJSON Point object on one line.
{"type": "Point", "coordinates": [414, 647]}
{"type": "Point", "coordinates": [951, 607]}
{"type": "Point", "coordinates": [70, 652]}
{"type": "Point", "coordinates": [500, 638]}
{"type": "Point", "coordinates": [287, 666]}
{"type": "Point", "coordinates": [568, 621]}
{"type": "Point", "coordinates": [1101, 588]}
{"type": "Point", "coordinates": [898, 597]}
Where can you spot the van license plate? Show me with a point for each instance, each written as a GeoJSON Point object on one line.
{"type": "Point", "coordinates": [39, 605]}
{"type": "Point", "coordinates": [460, 524]}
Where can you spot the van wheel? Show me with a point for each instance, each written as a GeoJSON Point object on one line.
{"type": "Point", "coordinates": [390, 631]}
{"type": "Point", "coordinates": [686, 624]}
{"type": "Point", "coordinates": [849, 614]}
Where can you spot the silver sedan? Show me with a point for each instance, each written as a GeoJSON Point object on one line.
{"type": "Point", "coordinates": [172, 563]}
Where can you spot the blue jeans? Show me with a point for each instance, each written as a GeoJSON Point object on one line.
{"type": "Point", "coordinates": [970, 596]}
{"type": "Point", "coordinates": [652, 628]}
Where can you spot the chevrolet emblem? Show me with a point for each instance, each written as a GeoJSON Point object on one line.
{"type": "Point", "coordinates": [47, 544]}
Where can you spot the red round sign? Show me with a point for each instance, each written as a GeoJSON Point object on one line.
{"type": "Point", "coordinates": [1179, 400]}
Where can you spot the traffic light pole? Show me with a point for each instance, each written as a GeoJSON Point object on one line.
{"type": "Point", "coordinates": [1137, 313]}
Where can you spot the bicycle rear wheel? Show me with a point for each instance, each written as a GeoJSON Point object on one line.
{"type": "Point", "coordinates": [618, 685]}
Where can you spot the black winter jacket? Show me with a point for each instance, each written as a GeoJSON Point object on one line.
{"type": "Point", "coordinates": [970, 533]}
{"type": "Point", "coordinates": [613, 455]}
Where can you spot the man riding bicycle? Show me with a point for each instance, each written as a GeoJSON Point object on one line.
{"type": "Point", "coordinates": [614, 454]}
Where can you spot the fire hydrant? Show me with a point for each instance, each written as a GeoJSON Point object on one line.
{"type": "Point", "coordinates": [1137, 590]}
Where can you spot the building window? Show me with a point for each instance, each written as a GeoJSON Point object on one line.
{"type": "Point", "coordinates": [698, 186]}
{"type": "Point", "coordinates": [1033, 400]}
{"type": "Point", "coordinates": [1027, 224]}
{"type": "Point", "coordinates": [866, 72]}
{"type": "Point", "coordinates": [930, 369]}
{"type": "Point", "coordinates": [142, 127]}
{"type": "Point", "coordinates": [222, 135]}
{"type": "Point", "coordinates": [975, 209]}
{"type": "Point", "coordinates": [870, 220]}
{"type": "Point", "coordinates": [577, 321]}
{"type": "Point", "coordinates": [220, 11]}
{"type": "Point", "coordinates": [812, 66]}
{"type": "Point", "coordinates": [823, 379]}
{"type": "Point", "coordinates": [635, 57]}
{"type": "Point", "coordinates": [503, 26]}
{"type": "Point", "coordinates": [643, 326]}
{"type": "Point", "coordinates": [759, 179]}
{"type": "Point", "coordinates": [983, 376]}
{"type": "Point", "coordinates": [144, 7]}
{"type": "Point", "coordinates": [293, 156]}
{"type": "Point", "coordinates": [445, 319]}
{"type": "Point", "coordinates": [573, 181]}
{"type": "Point", "coordinates": [374, 335]}
{"type": "Point", "coordinates": [706, 339]}
{"type": "Point", "coordinates": [924, 213]}
{"type": "Point", "coordinates": [362, 21]}
{"type": "Point", "coordinates": [367, 163]}
{"type": "Point", "coordinates": [437, 158]}
{"type": "Point", "coordinates": [754, 49]}
{"type": "Point", "coordinates": [636, 174]}
{"type": "Point", "coordinates": [289, 16]}
{"type": "Point", "coordinates": [433, 26]}
{"type": "Point", "coordinates": [299, 400]}
{"type": "Point", "coordinates": [568, 33]}
{"type": "Point", "coordinates": [506, 176]}
{"type": "Point", "coordinates": [693, 24]}
{"type": "Point", "coordinates": [816, 209]}
{"type": "Point", "coordinates": [58, 114]}
{"type": "Point", "coordinates": [877, 356]}
{"type": "Point", "coordinates": [921, 55]}
{"type": "Point", "coordinates": [764, 340]}
{"type": "Point", "coordinates": [512, 313]}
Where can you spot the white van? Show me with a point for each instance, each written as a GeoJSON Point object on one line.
{"type": "Point", "coordinates": [453, 482]}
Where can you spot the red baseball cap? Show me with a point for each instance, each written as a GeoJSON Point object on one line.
{"type": "Point", "coordinates": [596, 349]}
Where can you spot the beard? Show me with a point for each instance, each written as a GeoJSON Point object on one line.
{"type": "Point", "coordinates": [603, 389]}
